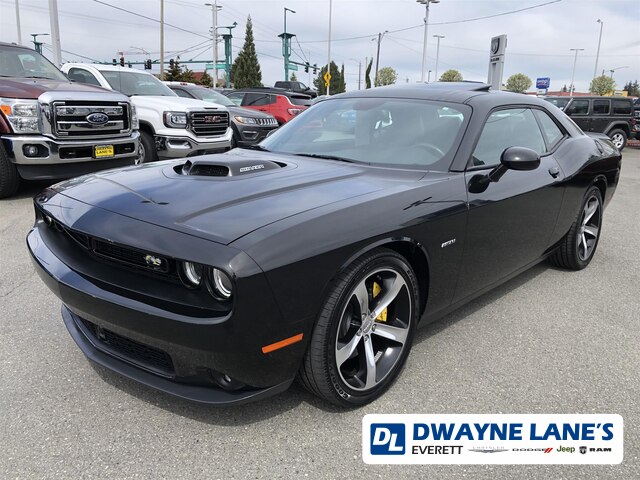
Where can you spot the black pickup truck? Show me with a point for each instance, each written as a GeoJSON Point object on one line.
{"type": "Point", "coordinates": [297, 87]}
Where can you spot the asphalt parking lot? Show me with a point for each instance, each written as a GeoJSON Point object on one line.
{"type": "Point", "coordinates": [549, 341]}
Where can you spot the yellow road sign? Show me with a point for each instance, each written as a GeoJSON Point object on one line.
{"type": "Point", "coordinates": [327, 77]}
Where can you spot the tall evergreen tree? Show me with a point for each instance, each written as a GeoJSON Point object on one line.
{"type": "Point", "coordinates": [367, 74]}
{"type": "Point", "coordinates": [187, 75]}
{"type": "Point", "coordinates": [343, 82]}
{"type": "Point", "coordinates": [336, 84]}
{"type": "Point", "coordinates": [206, 80]}
{"type": "Point", "coordinates": [245, 71]}
{"type": "Point", "coordinates": [174, 72]}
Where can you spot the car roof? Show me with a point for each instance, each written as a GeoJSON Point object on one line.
{"type": "Point", "coordinates": [275, 90]}
{"type": "Point", "coordinates": [7, 44]}
{"type": "Point", "coordinates": [106, 67]}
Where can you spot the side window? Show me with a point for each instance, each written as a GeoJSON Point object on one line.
{"type": "Point", "coordinates": [601, 107]}
{"type": "Point", "coordinates": [181, 93]}
{"type": "Point", "coordinates": [514, 127]}
{"type": "Point", "coordinates": [550, 130]}
{"type": "Point", "coordinates": [256, 99]}
{"type": "Point", "coordinates": [81, 75]}
{"type": "Point", "coordinates": [621, 107]}
{"type": "Point", "coordinates": [236, 98]}
{"type": "Point", "coordinates": [578, 107]}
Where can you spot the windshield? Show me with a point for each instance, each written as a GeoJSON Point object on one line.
{"type": "Point", "coordinates": [134, 83]}
{"type": "Point", "coordinates": [559, 102]}
{"type": "Point", "coordinates": [377, 131]}
{"type": "Point", "coordinates": [213, 97]}
{"type": "Point", "coordinates": [24, 63]}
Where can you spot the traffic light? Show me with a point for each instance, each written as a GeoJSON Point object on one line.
{"type": "Point", "coordinates": [306, 68]}
{"type": "Point", "coordinates": [122, 61]}
{"type": "Point", "coordinates": [171, 63]}
{"type": "Point", "coordinates": [315, 68]}
{"type": "Point", "coordinates": [147, 64]}
{"type": "Point", "coordinates": [115, 62]}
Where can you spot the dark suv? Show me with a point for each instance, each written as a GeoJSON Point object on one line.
{"type": "Point", "coordinates": [612, 116]}
{"type": "Point", "coordinates": [282, 104]}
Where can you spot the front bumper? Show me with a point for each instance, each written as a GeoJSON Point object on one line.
{"type": "Point", "coordinates": [187, 145]}
{"type": "Point", "coordinates": [180, 353]}
{"type": "Point", "coordinates": [252, 134]}
{"type": "Point", "coordinates": [59, 159]}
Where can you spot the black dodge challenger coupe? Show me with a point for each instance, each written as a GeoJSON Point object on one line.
{"type": "Point", "coordinates": [316, 254]}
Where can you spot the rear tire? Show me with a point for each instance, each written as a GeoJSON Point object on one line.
{"type": "Point", "coordinates": [619, 138]}
{"type": "Point", "coordinates": [354, 356]}
{"type": "Point", "coordinates": [579, 245]}
{"type": "Point", "coordinates": [9, 178]}
{"type": "Point", "coordinates": [148, 147]}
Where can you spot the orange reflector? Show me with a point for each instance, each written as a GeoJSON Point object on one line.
{"type": "Point", "coordinates": [282, 343]}
{"type": "Point", "coordinates": [6, 109]}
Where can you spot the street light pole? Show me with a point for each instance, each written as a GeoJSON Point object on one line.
{"type": "Point", "coordinates": [55, 32]}
{"type": "Point", "coordinates": [617, 68]}
{"type": "Point", "coordinates": [18, 23]}
{"type": "Point", "coordinates": [214, 34]}
{"type": "Point", "coordinates": [359, 70]}
{"type": "Point", "coordinates": [285, 39]}
{"type": "Point", "coordinates": [329, 49]}
{"type": "Point", "coordinates": [36, 44]}
{"type": "Point", "coordinates": [573, 73]}
{"type": "Point", "coordinates": [438, 54]}
{"type": "Point", "coordinates": [595, 70]}
{"type": "Point", "coordinates": [426, 27]}
{"type": "Point", "coordinates": [161, 39]}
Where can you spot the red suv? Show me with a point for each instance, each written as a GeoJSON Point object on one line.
{"type": "Point", "coordinates": [282, 104]}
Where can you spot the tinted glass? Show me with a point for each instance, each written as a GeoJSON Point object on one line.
{"type": "Point", "coordinates": [558, 102]}
{"type": "Point", "coordinates": [550, 130]}
{"type": "Point", "coordinates": [83, 76]}
{"type": "Point", "coordinates": [515, 127]}
{"type": "Point", "coordinates": [299, 100]}
{"type": "Point", "coordinates": [20, 62]}
{"type": "Point", "coordinates": [236, 98]}
{"type": "Point", "coordinates": [601, 107]}
{"type": "Point", "coordinates": [621, 107]}
{"type": "Point", "coordinates": [132, 83]}
{"type": "Point", "coordinates": [256, 100]}
{"type": "Point", "coordinates": [377, 131]}
{"type": "Point", "coordinates": [181, 93]}
{"type": "Point", "coordinates": [212, 96]}
{"type": "Point", "coordinates": [578, 107]}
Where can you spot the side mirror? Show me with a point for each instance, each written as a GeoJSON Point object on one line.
{"type": "Point", "coordinates": [520, 158]}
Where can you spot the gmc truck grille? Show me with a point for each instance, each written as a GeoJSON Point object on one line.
{"type": "Point", "coordinates": [90, 119]}
{"type": "Point", "coordinates": [209, 124]}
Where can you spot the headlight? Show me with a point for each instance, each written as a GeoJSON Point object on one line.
{"type": "Point", "coordinates": [23, 115]}
{"type": "Point", "coordinates": [135, 123]}
{"type": "Point", "coordinates": [191, 274]}
{"type": "Point", "coordinates": [246, 120]}
{"type": "Point", "coordinates": [175, 119]}
{"type": "Point", "coordinates": [220, 285]}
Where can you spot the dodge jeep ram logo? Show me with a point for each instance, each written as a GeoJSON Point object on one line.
{"type": "Point", "coordinates": [153, 261]}
{"type": "Point", "coordinates": [97, 118]}
{"type": "Point", "coordinates": [211, 118]}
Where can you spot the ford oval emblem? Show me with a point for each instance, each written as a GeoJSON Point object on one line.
{"type": "Point", "coordinates": [97, 118]}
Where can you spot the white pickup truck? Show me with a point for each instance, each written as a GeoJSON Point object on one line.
{"type": "Point", "coordinates": [170, 126]}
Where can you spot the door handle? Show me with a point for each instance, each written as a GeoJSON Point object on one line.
{"type": "Point", "coordinates": [554, 172]}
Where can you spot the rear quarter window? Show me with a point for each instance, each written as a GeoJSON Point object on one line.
{"type": "Point", "coordinates": [622, 107]}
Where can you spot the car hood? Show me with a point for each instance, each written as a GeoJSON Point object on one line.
{"type": "Point", "coordinates": [264, 188]}
{"type": "Point", "coordinates": [168, 103]}
{"type": "Point", "coordinates": [32, 88]}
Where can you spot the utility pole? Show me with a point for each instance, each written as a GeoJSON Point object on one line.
{"type": "Point", "coordinates": [161, 39]}
{"type": "Point", "coordinates": [309, 70]}
{"type": "Point", "coordinates": [286, 45]}
{"type": "Point", "coordinates": [426, 27]}
{"type": "Point", "coordinates": [55, 32]}
{"type": "Point", "coordinates": [595, 70]}
{"type": "Point", "coordinates": [438, 54]}
{"type": "Point", "coordinates": [380, 37]}
{"type": "Point", "coordinates": [329, 49]}
{"type": "Point", "coordinates": [18, 22]}
{"type": "Point", "coordinates": [573, 73]}
{"type": "Point", "coordinates": [429, 77]}
{"type": "Point", "coordinates": [359, 73]}
{"type": "Point", "coordinates": [214, 33]}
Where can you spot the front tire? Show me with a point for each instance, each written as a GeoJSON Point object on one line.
{"type": "Point", "coordinates": [364, 332]}
{"type": "Point", "coordinates": [9, 177]}
{"type": "Point", "coordinates": [619, 138]}
{"type": "Point", "coordinates": [147, 148]}
{"type": "Point", "coordinates": [579, 245]}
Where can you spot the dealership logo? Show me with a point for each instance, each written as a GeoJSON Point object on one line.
{"type": "Point", "coordinates": [436, 449]}
{"type": "Point", "coordinates": [562, 449]}
{"type": "Point", "coordinates": [211, 118]}
{"type": "Point", "coordinates": [387, 439]}
{"type": "Point", "coordinates": [97, 118]}
{"type": "Point", "coordinates": [489, 449]}
{"type": "Point", "coordinates": [583, 450]}
{"type": "Point", "coordinates": [537, 450]}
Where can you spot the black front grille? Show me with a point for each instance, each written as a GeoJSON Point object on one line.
{"type": "Point", "coordinates": [209, 124]}
{"type": "Point", "coordinates": [130, 256]}
{"type": "Point", "coordinates": [135, 352]}
{"type": "Point", "coordinates": [71, 119]}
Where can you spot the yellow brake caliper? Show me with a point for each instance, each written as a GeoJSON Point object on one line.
{"type": "Point", "coordinates": [376, 291]}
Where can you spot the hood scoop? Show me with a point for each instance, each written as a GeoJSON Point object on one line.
{"type": "Point", "coordinates": [216, 168]}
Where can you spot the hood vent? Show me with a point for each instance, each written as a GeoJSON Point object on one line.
{"type": "Point", "coordinates": [213, 168]}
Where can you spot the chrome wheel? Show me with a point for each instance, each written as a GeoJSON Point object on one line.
{"type": "Point", "coordinates": [373, 330]}
{"type": "Point", "coordinates": [141, 153]}
{"type": "Point", "coordinates": [618, 140]}
{"type": "Point", "coordinates": [589, 228]}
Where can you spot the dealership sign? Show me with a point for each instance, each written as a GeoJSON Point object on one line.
{"type": "Point", "coordinates": [543, 82]}
{"type": "Point", "coordinates": [492, 439]}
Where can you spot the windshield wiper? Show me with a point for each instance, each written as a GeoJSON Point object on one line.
{"type": "Point", "coordinates": [326, 157]}
{"type": "Point", "coordinates": [257, 147]}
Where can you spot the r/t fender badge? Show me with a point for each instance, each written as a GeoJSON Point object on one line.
{"type": "Point", "coordinates": [448, 242]}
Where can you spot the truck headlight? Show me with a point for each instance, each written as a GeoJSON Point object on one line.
{"type": "Point", "coordinates": [175, 119]}
{"type": "Point", "coordinates": [135, 122]}
{"type": "Point", "coordinates": [23, 115]}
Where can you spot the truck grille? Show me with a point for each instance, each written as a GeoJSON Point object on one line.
{"type": "Point", "coordinates": [209, 124]}
{"type": "Point", "coordinates": [90, 119]}
{"type": "Point", "coordinates": [266, 121]}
